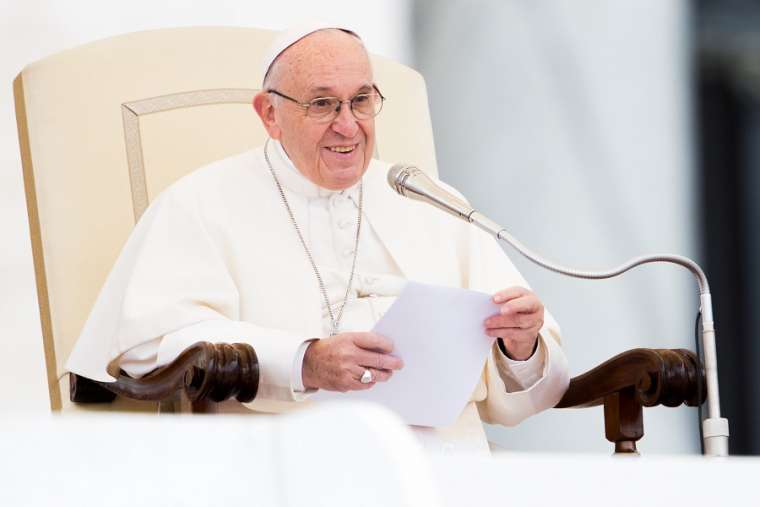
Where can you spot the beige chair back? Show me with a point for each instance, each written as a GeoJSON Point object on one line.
{"type": "Point", "coordinates": [105, 127]}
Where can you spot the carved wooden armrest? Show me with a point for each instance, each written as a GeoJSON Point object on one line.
{"type": "Point", "coordinates": [635, 379]}
{"type": "Point", "coordinates": [203, 372]}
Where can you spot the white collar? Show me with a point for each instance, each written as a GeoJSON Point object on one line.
{"type": "Point", "coordinates": [292, 179]}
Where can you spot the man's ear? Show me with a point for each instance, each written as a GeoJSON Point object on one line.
{"type": "Point", "coordinates": [263, 105]}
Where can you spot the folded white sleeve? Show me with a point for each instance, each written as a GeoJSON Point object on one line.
{"type": "Point", "coordinates": [169, 289]}
{"type": "Point", "coordinates": [515, 390]}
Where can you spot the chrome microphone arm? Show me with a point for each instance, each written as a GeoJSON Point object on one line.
{"type": "Point", "coordinates": [413, 183]}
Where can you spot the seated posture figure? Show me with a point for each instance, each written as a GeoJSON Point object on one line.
{"type": "Point", "coordinates": [299, 247]}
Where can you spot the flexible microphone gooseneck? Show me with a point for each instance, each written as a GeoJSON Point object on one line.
{"type": "Point", "coordinates": [413, 183]}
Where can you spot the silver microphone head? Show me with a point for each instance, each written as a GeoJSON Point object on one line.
{"type": "Point", "coordinates": [398, 174]}
{"type": "Point", "coordinates": [411, 182]}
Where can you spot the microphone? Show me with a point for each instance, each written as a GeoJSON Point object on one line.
{"type": "Point", "coordinates": [411, 182]}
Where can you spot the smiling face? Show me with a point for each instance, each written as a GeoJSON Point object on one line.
{"type": "Point", "coordinates": [328, 63]}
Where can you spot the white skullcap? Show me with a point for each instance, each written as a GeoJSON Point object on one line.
{"type": "Point", "coordinates": [290, 36]}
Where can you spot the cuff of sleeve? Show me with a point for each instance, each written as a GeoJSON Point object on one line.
{"type": "Point", "coordinates": [521, 375]}
{"type": "Point", "coordinates": [503, 350]}
{"type": "Point", "coordinates": [300, 392]}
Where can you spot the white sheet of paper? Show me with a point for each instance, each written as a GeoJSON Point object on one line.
{"type": "Point", "coordinates": [439, 333]}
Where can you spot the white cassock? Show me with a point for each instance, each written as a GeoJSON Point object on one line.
{"type": "Point", "coordinates": [216, 258]}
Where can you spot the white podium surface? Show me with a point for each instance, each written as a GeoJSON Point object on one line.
{"type": "Point", "coordinates": [352, 455]}
{"type": "Point", "coordinates": [563, 480]}
{"type": "Point", "coordinates": [340, 455]}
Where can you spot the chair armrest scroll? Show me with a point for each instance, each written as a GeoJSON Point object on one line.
{"type": "Point", "coordinates": [205, 371]}
{"type": "Point", "coordinates": [667, 377]}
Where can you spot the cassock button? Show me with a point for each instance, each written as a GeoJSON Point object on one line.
{"type": "Point", "coordinates": [335, 199]}
{"type": "Point", "coordinates": [348, 252]}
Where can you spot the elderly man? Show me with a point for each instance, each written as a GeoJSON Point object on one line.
{"type": "Point", "coordinates": [295, 248]}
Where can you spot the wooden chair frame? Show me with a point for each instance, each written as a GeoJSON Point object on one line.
{"type": "Point", "coordinates": [207, 373]}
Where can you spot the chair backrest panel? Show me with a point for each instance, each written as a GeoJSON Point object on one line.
{"type": "Point", "coordinates": [162, 128]}
{"type": "Point", "coordinates": [107, 126]}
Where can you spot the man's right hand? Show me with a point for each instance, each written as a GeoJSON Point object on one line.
{"type": "Point", "coordinates": [338, 362]}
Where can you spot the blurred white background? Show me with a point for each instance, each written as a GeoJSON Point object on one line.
{"type": "Point", "coordinates": [566, 121]}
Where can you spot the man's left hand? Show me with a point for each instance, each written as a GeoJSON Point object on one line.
{"type": "Point", "coordinates": [520, 317]}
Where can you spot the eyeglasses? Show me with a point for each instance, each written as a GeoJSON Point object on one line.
{"type": "Point", "coordinates": [363, 105]}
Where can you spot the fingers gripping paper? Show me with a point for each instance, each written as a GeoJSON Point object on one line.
{"type": "Point", "coordinates": [440, 335]}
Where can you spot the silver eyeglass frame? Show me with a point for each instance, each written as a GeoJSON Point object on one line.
{"type": "Point", "coordinates": [334, 113]}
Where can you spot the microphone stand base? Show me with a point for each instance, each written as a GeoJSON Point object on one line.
{"type": "Point", "coordinates": [715, 435]}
